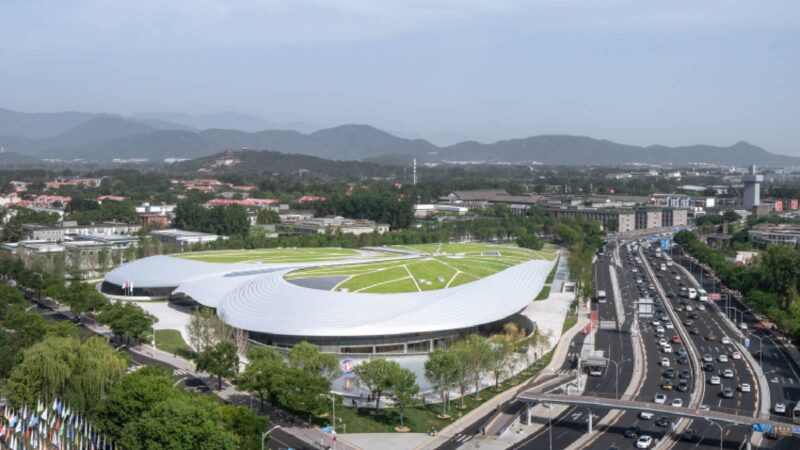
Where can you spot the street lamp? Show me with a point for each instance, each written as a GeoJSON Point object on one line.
{"type": "Point", "coordinates": [332, 398]}
{"type": "Point", "coordinates": [616, 372]}
{"type": "Point", "coordinates": [760, 349]}
{"type": "Point", "coordinates": [721, 430]}
{"type": "Point", "coordinates": [266, 433]}
{"type": "Point", "coordinates": [154, 341]}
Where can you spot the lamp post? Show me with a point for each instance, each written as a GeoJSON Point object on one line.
{"type": "Point", "coordinates": [616, 373]}
{"type": "Point", "coordinates": [721, 430]}
{"type": "Point", "coordinates": [266, 433]}
{"type": "Point", "coordinates": [332, 398]}
{"type": "Point", "coordinates": [154, 341]}
{"type": "Point", "coordinates": [41, 282]}
{"type": "Point", "coordinates": [760, 349]}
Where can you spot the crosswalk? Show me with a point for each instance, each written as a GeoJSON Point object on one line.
{"type": "Point", "coordinates": [180, 372]}
{"type": "Point", "coordinates": [461, 438]}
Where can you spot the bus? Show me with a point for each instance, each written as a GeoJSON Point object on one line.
{"type": "Point", "coordinates": [601, 296]}
{"type": "Point", "coordinates": [702, 295]}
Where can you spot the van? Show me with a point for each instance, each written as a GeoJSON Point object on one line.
{"type": "Point", "coordinates": [693, 294]}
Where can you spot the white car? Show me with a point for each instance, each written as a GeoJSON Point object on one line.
{"type": "Point", "coordinates": [689, 308]}
{"type": "Point", "coordinates": [677, 402]}
{"type": "Point", "coordinates": [662, 399]}
{"type": "Point", "coordinates": [644, 442]}
{"type": "Point", "coordinates": [664, 362]}
{"type": "Point", "coordinates": [708, 358]}
{"type": "Point", "coordinates": [666, 348]}
{"type": "Point", "coordinates": [678, 277]}
{"type": "Point", "coordinates": [726, 340]}
{"type": "Point", "coordinates": [701, 307]}
{"type": "Point", "coordinates": [646, 415]}
{"type": "Point", "coordinates": [744, 387]}
{"type": "Point", "coordinates": [727, 373]}
{"type": "Point", "coordinates": [723, 358]}
{"type": "Point", "coordinates": [669, 326]}
{"type": "Point", "coordinates": [656, 323]}
{"type": "Point", "coordinates": [743, 326]}
{"type": "Point", "coordinates": [714, 380]}
{"type": "Point", "coordinates": [736, 355]}
{"type": "Point", "coordinates": [660, 330]}
{"type": "Point", "coordinates": [780, 408]}
{"type": "Point", "coordinates": [662, 342]}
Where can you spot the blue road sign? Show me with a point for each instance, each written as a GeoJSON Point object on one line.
{"type": "Point", "coordinates": [747, 343]}
{"type": "Point", "coordinates": [327, 429]}
{"type": "Point", "coordinates": [665, 244]}
{"type": "Point", "coordinates": [795, 429]}
{"type": "Point", "coordinates": [762, 427]}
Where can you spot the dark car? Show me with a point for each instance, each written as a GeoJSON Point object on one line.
{"type": "Point", "coordinates": [684, 375]}
{"type": "Point", "coordinates": [682, 386]}
{"type": "Point", "coordinates": [694, 315]}
{"type": "Point", "coordinates": [683, 360]}
{"type": "Point", "coordinates": [689, 435]}
{"type": "Point", "coordinates": [688, 323]}
{"type": "Point", "coordinates": [669, 373]}
{"type": "Point", "coordinates": [709, 367]}
{"type": "Point", "coordinates": [663, 422]}
{"type": "Point", "coordinates": [632, 432]}
{"type": "Point", "coordinates": [727, 393]}
{"type": "Point", "coordinates": [695, 331]}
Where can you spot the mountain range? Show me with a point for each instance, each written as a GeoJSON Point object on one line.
{"type": "Point", "coordinates": [155, 136]}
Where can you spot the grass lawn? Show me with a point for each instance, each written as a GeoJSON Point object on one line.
{"type": "Point", "coordinates": [544, 293]}
{"type": "Point", "coordinates": [569, 322]}
{"type": "Point", "coordinates": [454, 264]}
{"type": "Point", "coordinates": [552, 275]}
{"type": "Point", "coordinates": [272, 255]}
{"type": "Point", "coordinates": [421, 418]}
{"type": "Point", "coordinates": [171, 341]}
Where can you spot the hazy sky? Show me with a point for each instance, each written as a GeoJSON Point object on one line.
{"type": "Point", "coordinates": [641, 72]}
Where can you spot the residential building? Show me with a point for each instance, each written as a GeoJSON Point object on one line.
{"type": "Point", "coordinates": [87, 182]}
{"type": "Point", "coordinates": [339, 224]}
{"type": "Point", "coordinates": [67, 230]}
{"type": "Point", "coordinates": [783, 234]}
{"type": "Point", "coordinates": [183, 237]}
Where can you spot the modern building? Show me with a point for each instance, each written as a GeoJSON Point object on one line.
{"type": "Point", "coordinates": [276, 312]}
{"type": "Point", "coordinates": [783, 234]}
{"type": "Point", "coordinates": [70, 229]}
{"type": "Point", "coordinates": [752, 188]}
{"type": "Point", "coordinates": [183, 237]}
{"type": "Point", "coordinates": [621, 220]}
{"type": "Point", "coordinates": [334, 224]}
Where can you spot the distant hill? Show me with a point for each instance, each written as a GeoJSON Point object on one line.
{"type": "Point", "coordinates": [227, 121]}
{"type": "Point", "coordinates": [39, 125]}
{"type": "Point", "coordinates": [15, 159]}
{"type": "Point", "coordinates": [259, 163]}
{"type": "Point", "coordinates": [102, 138]}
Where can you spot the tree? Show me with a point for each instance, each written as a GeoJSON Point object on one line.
{"type": "Point", "coordinates": [182, 422]}
{"type": "Point", "coordinates": [463, 375]}
{"type": "Point", "coordinates": [306, 356]}
{"type": "Point", "coordinates": [301, 391]}
{"type": "Point", "coordinates": [220, 360]}
{"type": "Point", "coordinates": [12, 231]}
{"type": "Point", "coordinates": [476, 356]}
{"type": "Point", "coordinates": [136, 394]}
{"type": "Point", "coordinates": [500, 354]}
{"type": "Point", "coordinates": [376, 374]}
{"type": "Point", "coordinates": [245, 424]}
{"type": "Point", "coordinates": [258, 376]}
{"type": "Point", "coordinates": [267, 216]}
{"type": "Point", "coordinates": [81, 373]}
{"type": "Point", "coordinates": [530, 241]}
{"type": "Point", "coordinates": [441, 370]}
{"type": "Point", "coordinates": [127, 320]}
{"type": "Point", "coordinates": [206, 328]}
{"type": "Point", "coordinates": [403, 386]}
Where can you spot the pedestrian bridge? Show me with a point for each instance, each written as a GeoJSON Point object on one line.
{"type": "Point", "coordinates": [633, 405]}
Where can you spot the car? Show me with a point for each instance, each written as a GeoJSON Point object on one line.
{"type": "Point", "coordinates": [682, 386]}
{"type": "Point", "coordinates": [683, 302]}
{"type": "Point", "coordinates": [708, 358]}
{"type": "Point", "coordinates": [677, 402]}
{"type": "Point", "coordinates": [745, 387]}
{"type": "Point", "coordinates": [644, 442]}
{"type": "Point", "coordinates": [632, 432]}
{"type": "Point", "coordinates": [727, 393]}
{"type": "Point", "coordinates": [666, 348]}
{"type": "Point", "coordinates": [677, 277]}
{"type": "Point", "coordinates": [701, 307]}
{"type": "Point", "coordinates": [714, 380]}
{"type": "Point", "coordinates": [679, 309]}
{"type": "Point", "coordinates": [736, 355]}
{"type": "Point", "coordinates": [711, 337]}
{"type": "Point", "coordinates": [709, 367]}
{"type": "Point", "coordinates": [682, 351]}
{"type": "Point", "coordinates": [660, 330]}
{"type": "Point", "coordinates": [727, 373]}
{"type": "Point", "coordinates": [669, 326]}
{"type": "Point", "coordinates": [685, 374]}
{"type": "Point", "coordinates": [661, 399]}
{"type": "Point", "coordinates": [687, 323]}
{"type": "Point", "coordinates": [656, 323]}
{"type": "Point", "coordinates": [689, 308]}
{"type": "Point", "coordinates": [662, 342]}
{"type": "Point", "coordinates": [670, 294]}
{"type": "Point", "coordinates": [694, 316]}
{"type": "Point", "coordinates": [663, 422]}
{"type": "Point", "coordinates": [665, 362]}
{"type": "Point", "coordinates": [743, 326]}
{"type": "Point", "coordinates": [722, 358]}
{"type": "Point", "coordinates": [646, 415]}
{"type": "Point", "coordinates": [779, 408]}
{"type": "Point", "coordinates": [703, 407]}
{"type": "Point", "coordinates": [676, 339]}
{"type": "Point", "coordinates": [664, 318]}
{"type": "Point", "coordinates": [669, 373]}
{"type": "Point", "coordinates": [683, 360]}
{"type": "Point", "coordinates": [726, 340]}
{"type": "Point", "coordinates": [689, 435]}
{"type": "Point", "coordinates": [667, 385]}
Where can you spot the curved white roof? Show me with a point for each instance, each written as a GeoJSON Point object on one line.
{"type": "Point", "coordinates": [256, 297]}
